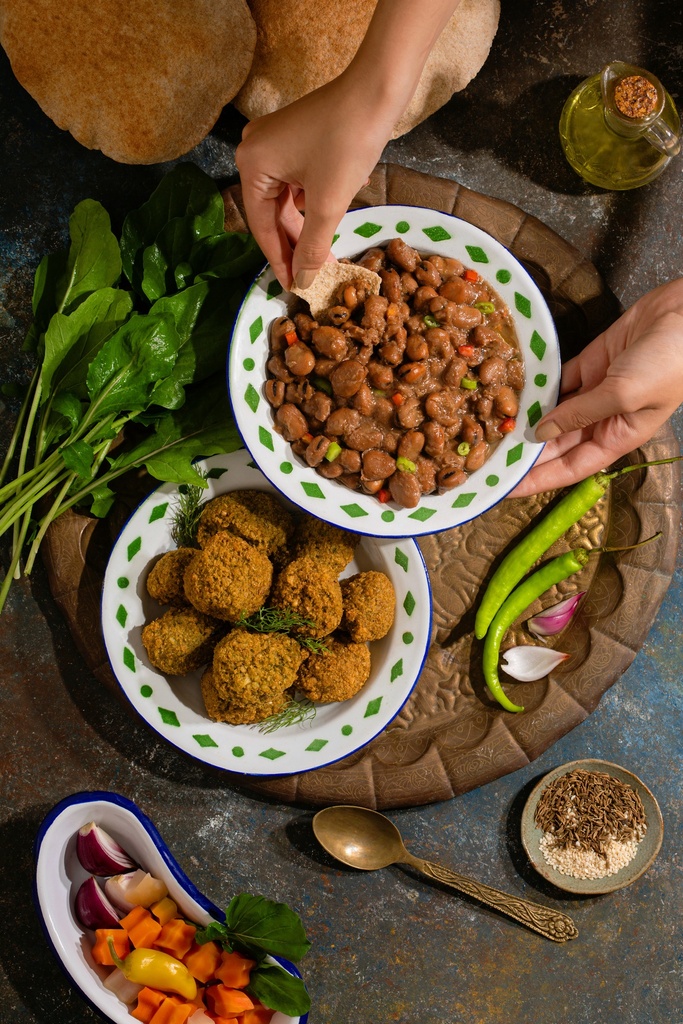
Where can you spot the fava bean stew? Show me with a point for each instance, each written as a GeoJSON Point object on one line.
{"type": "Point", "coordinates": [403, 393]}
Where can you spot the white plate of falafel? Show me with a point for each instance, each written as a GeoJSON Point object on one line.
{"type": "Point", "coordinates": [267, 642]}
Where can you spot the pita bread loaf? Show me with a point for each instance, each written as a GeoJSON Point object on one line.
{"type": "Point", "coordinates": [142, 80]}
{"type": "Point", "coordinates": [302, 44]}
{"type": "Point", "coordinates": [328, 280]}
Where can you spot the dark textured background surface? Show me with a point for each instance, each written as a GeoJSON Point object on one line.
{"type": "Point", "coordinates": [387, 946]}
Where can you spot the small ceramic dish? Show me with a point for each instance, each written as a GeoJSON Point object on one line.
{"type": "Point", "coordinates": [648, 847]}
{"type": "Point", "coordinates": [173, 706]}
{"type": "Point", "coordinates": [428, 231]}
{"type": "Point", "coordinates": [59, 875]}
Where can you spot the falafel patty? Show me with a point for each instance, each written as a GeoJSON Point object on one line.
{"type": "Point", "coordinates": [325, 543]}
{"type": "Point", "coordinates": [181, 640]}
{"type": "Point", "coordinates": [310, 590]}
{"type": "Point", "coordinates": [335, 674]}
{"type": "Point", "coordinates": [165, 579]}
{"type": "Point", "coordinates": [251, 670]}
{"type": "Point", "coordinates": [255, 516]}
{"type": "Point", "coordinates": [369, 605]}
{"type": "Point", "coordinates": [228, 578]}
{"type": "Point", "coordinates": [221, 709]}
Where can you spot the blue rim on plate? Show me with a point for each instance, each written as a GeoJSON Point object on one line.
{"type": "Point", "coordinates": [54, 890]}
{"type": "Point", "coordinates": [428, 231]}
{"type": "Point", "coordinates": [174, 708]}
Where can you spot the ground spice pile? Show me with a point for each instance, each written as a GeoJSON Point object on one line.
{"type": "Point", "coordinates": [591, 823]}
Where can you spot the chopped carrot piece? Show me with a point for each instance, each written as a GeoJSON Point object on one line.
{"type": "Point", "coordinates": [466, 351]}
{"type": "Point", "coordinates": [202, 961]}
{"type": "Point", "coordinates": [149, 1001]}
{"type": "Point", "coordinates": [291, 337]}
{"type": "Point", "coordinates": [397, 398]}
{"type": "Point", "coordinates": [259, 1015]}
{"type": "Point", "coordinates": [132, 918]}
{"type": "Point", "coordinates": [176, 937]}
{"type": "Point", "coordinates": [141, 927]}
{"type": "Point", "coordinates": [225, 1020]}
{"type": "Point", "coordinates": [508, 425]}
{"type": "Point", "coordinates": [234, 970]}
{"type": "Point", "coordinates": [307, 437]}
{"type": "Point", "coordinates": [471, 275]}
{"type": "Point", "coordinates": [173, 1011]}
{"type": "Point", "coordinates": [101, 953]}
{"type": "Point", "coordinates": [383, 494]}
{"type": "Point", "coordinates": [164, 910]}
{"type": "Point", "coordinates": [227, 1002]}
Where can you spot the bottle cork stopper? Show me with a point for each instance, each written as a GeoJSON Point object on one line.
{"type": "Point", "coordinates": [635, 96]}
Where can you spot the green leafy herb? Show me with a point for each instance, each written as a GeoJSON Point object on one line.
{"type": "Point", "coordinates": [257, 928]}
{"type": "Point", "coordinates": [282, 620]}
{"type": "Point", "coordinates": [295, 712]}
{"type": "Point", "coordinates": [187, 513]}
{"type": "Point", "coordinates": [137, 334]}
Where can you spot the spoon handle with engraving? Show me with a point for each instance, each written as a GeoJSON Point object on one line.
{"type": "Point", "coordinates": [547, 922]}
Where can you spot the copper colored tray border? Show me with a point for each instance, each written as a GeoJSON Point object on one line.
{"type": "Point", "coordinates": [451, 737]}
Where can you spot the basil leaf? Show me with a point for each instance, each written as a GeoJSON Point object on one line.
{"type": "Point", "coordinates": [258, 925]}
{"type": "Point", "coordinates": [277, 989]}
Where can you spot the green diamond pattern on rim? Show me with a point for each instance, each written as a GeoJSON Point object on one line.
{"type": "Point", "coordinates": [255, 329]}
{"type": "Point", "coordinates": [355, 511]}
{"type": "Point", "coordinates": [437, 233]}
{"type": "Point", "coordinates": [334, 238]}
{"type": "Point", "coordinates": [540, 380]}
{"type": "Point", "coordinates": [523, 305]}
{"type": "Point", "coordinates": [133, 548]}
{"type": "Point", "coordinates": [121, 615]}
{"type": "Point", "coordinates": [316, 745]}
{"type": "Point", "coordinates": [204, 740]}
{"type": "Point", "coordinates": [537, 345]}
{"type": "Point", "coordinates": [368, 229]}
{"type": "Point", "coordinates": [534, 413]}
{"type": "Point", "coordinates": [266, 439]}
{"type": "Point", "coordinates": [422, 514]}
{"type": "Point", "coordinates": [396, 670]}
{"type": "Point", "coordinates": [311, 490]}
{"type": "Point", "coordinates": [401, 558]}
{"type": "Point", "coordinates": [169, 717]}
{"type": "Point", "coordinates": [463, 500]}
{"type": "Point", "coordinates": [272, 754]}
{"type": "Point", "coordinates": [402, 227]}
{"type": "Point", "coordinates": [273, 290]}
{"type": "Point", "coordinates": [503, 276]}
{"type": "Point", "coordinates": [373, 707]}
{"type": "Point", "coordinates": [129, 659]}
{"type": "Point", "coordinates": [251, 397]}
{"type": "Point", "coordinates": [515, 454]}
{"type": "Point", "coordinates": [409, 604]}
{"type": "Point", "coordinates": [158, 512]}
{"type": "Point", "coordinates": [477, 254]}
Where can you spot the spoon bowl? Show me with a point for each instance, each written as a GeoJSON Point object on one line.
{"type": "Point", "coordinates": [366, 839]}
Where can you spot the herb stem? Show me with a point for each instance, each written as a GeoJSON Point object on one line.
{"type": "Point", "coordinates": [14, 440]}
{"type": "Point", "coordinates": [53, 513]}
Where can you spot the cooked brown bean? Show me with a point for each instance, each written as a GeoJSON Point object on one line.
{"type": "Point", "coordinates": [410, 414]}
{"type": "Point", "coordinates": [330, 470]}
{"type": "Point", "coordinates": [400, 253]}
{"type": "Point", "coordinates": [416, 347]}
{"type": "Point", "coordinates": [455, 371]}
{"type": "Point", "coordinates": [377, 465]}
{"type": "Point", "coordinates": [283, 325]}
{"type": "Point", "coordinates": [350, 296]}
{"type": "Point", "coordinates": [315, 452]}
{"type": "Point", "coordinates": [375, 312]}
{"type": "Point", "coordinates": [463, 316]}
{"type": "Point", "coordinates": [384, 412]}
{"type": "Point", "coordinates": [458, 290]}
{"type": "Point", "coordinates": [329, 342]}
{"type": "Point", "coordinates": [371, 486]}
{"type": "Point", "coordinates": [342, 421]}
{"type": "Point", "coordinates": [425, 471]}
{"type": "Point", "coordinates": [299, 392]}
{"type": "Point", "coordinates": [492, 371]}
{"type": "Point", "coordinates": [392, 352]}
{"type": "Point", "coordinates": [391, 285]}
{"type": "Point", "coordinates": [278, 368]}
{"type": "Point", "coordinates": [305, 325]}
{"type": "Point", "coordinates": [275, 392]}
{"type": "Point", "coordinates": [373, 259]}
{"type": "Point", "coordinates": [410, 373]}
{"type": "Point", "coordinates": [347, 378]}
{"type": "Point", "coordinates": [435, 439]}
{"type": "Point", "coordinates": [364, 400]}
{"type": "Point", "coordinates": [300, 360]}
{"type": "Point", "coordinates": [506, 403]}
{"type": "Point", "coordinates": [408, 284]}
{"type": "Point", "coordinates": [291, 421]}
{"type": "Point", "coordinates": [324, 367]}
{"type": "Point", "coordinates": [411, 444]}
{"type": "Point", "coordinates": [318, 406]}
{"type": "Point", "coordinates": [350, 460]}
{"type": "Point", "coordinates": [350, 480]}
{"type": "Point", "coordinates": [380, 376]}
{"type": "Point", "coordinates": [476, 456]}
{"type": "Point", "coordinates": [443, 406]}
{"type": "Point", "coordinates": [405, 489]}
{"type": "Point", "coordinates": [471, 431]}
{"type": "Point", "coordinates": [367, 435]}
{"type": "Point", "coordinates": [428, 274]}
{"type": "Point", "coordinates": [447, 266]}
{"type": "Point", "coordinates": [439, 343]}
{"type": "Point", "coordinates": [422, 297]}
{"type": "Point", "coordinates": [339, 315]}
{"type": "Point", "coordinates": [390, 439]}
{"type": "Point", "coordinates": [449, 477]}
{"type": "Point", "coordinates": [514, 374]}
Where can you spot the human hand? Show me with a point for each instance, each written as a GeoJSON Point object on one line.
{"type": "Point", "coordinates": [615, 394]}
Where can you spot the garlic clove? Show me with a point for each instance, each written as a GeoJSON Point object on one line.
{"type": "Point", "coordinates": [99, 853]}
{"type": "Point", "coordinates": [530, 663]}
{"type": "Point", "coordinates": [552, 620]}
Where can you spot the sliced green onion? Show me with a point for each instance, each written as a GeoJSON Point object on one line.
{"type": "Point", "coordinates": [405, 465]}
{"type": "Point", "coordinates": [485, 307]}
{"type": "Point", "coordinates": [431, 321]}
{"type": "Point", "coordinates": [378, 393]}
{"type": "Point", "coordinates": [322, 384]}
{"type": "Point", "coordinates": [463, 448]}
{"type": "Point", "coordinates": [333, 451]}
{"type": "Point", "coordinates": [468, 383]}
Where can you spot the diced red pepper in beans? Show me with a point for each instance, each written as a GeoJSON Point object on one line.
{"type": "Point", "coordinates": [413, 387]}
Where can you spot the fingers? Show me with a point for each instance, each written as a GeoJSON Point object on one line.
{"type": "Point", "coordinates": [315, 240]}
{"type": "Point", "coordinates": [584, 410]}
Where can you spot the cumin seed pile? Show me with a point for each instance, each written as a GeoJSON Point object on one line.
{"type": "Point", "coordinates": [591, 823]}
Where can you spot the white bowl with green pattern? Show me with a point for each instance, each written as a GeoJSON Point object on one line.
{"type": "Point", "coordinates": [429, 231]}
{"type": "Point", "coordinates": [173, 705]}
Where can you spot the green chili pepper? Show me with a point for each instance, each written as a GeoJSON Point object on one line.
{"type": "Point", "coordinates": [322, 385]}
{"type": "Point", "coordinates": [519, 600]}
{"type": "Point", "coordinates": [468, 383]}
{"type": "Point", "coordinates": [431, 321]}
{"type": "Point", "coordinates": [485, 307]}
{"type": "Point", "coordinates": [405, 465]}
{"type": "Point", "coordinates": [333, 451]}
{"type": "Point", "coordinates": [463, 448]}
{"type": "Point", "coordinates": [518, 562]}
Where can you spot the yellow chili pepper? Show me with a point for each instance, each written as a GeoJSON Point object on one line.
{"type": "Point", "coordinates": [157, 969]}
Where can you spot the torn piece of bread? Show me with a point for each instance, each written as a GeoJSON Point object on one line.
{"type": "Point", "coordinates": [329, 279]}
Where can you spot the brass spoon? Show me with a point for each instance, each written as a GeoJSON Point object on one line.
{"type": "Point", "coordinates": [367, 840]}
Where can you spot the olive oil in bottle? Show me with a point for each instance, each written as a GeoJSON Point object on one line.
{"type": "Point", "coordinates": [620, 128]}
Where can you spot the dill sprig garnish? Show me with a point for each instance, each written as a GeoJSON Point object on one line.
{"type": "Point", "coordinates": [282, 620]}
{"type": "Point", "coordinates": [187, 513]}
{"type": "Point", "coordinates": [295, 712]}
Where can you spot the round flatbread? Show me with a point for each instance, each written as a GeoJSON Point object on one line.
{"type": "Point", "coordinates": [292, 58]}
{"type": "Point", "coordinates": [141, 80]}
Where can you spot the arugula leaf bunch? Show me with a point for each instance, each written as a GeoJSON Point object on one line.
{"type": "Point", "coordinates": [258, 927]}
{"type": "Point", "coordinates": [136, 333]}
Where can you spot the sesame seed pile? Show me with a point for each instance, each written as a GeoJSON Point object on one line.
{"type": "Point", "coordinates": [591, 823]}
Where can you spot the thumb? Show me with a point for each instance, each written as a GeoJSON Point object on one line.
{"type": "Point", "coordinates": [314, 243]}
{"type": "Point", "coordinates": [582, 411]}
